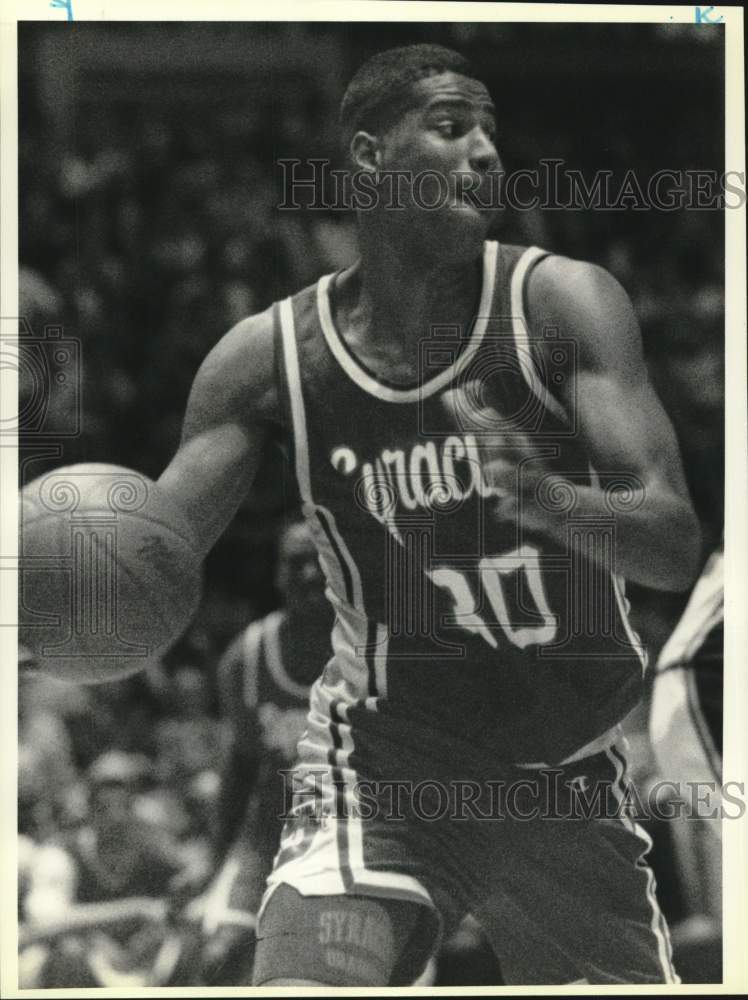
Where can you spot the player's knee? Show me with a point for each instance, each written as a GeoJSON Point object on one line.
{"type": "Point", "coordinates": [340, 941]}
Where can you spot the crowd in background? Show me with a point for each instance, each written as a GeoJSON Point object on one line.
{"type": "Point", "coordinates": [148, 229]}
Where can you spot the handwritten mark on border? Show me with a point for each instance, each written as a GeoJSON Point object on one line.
{"type": "Point", "coordinates": [66, 5]}
{"type": "Point", "coordinates": [705, 15]}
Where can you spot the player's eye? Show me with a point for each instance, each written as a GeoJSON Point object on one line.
{"type": "Point", "coordinates": [449, 128]}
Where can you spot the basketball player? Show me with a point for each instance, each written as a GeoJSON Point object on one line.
{"type": "Point", "coordinates": [686, 729]}
{"type": "Point", "coordinates": [481, 459]}
{"type": "Point", "coordinates": [264, 680]}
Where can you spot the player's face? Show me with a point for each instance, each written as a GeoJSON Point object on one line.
{"type": "Point", "coordinates": [305, 577]}
{"type": "Point", "coordinates": [300, 576]}
{"type": "Point", "coordinates": [449, 131]}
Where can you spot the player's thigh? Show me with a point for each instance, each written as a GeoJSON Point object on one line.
{"type": "Point", "coordinates": [342, 940]}
{"type": "Point", "coordinates": [577, 902]}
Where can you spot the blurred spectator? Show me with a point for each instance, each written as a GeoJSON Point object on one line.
{"type": "Point", "coordinates": [46, 768]}
{"type": "Point", "coordinates": [95, 883]}
{"type": "Point", "coordinates": [189, 739]}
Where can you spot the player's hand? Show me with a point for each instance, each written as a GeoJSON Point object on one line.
{"type": "Point", "coordinates": [513, 463]}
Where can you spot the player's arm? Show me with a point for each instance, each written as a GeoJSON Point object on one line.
{"type": "Point", "coordinates": [624, 427]}
{"type": "Point", "coordinates": [241, 755]}
{"type": "Point", "coordinates": [232, 405]}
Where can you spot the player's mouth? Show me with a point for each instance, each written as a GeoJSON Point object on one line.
{"type": "Point", "coordinates": [473, 192]}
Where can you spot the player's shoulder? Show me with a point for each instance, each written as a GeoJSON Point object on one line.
{"type": "Point", "coordinates": [239, 371]}
{"type": "Point", "coordinates": [549, 276]}
{"type": "Point", "coordinates": [584, 301]}
{"type": "Point", "coordinates": [556, 279]}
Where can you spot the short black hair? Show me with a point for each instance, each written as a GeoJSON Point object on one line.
{"type": "Point", "coordinates": [379, 92]}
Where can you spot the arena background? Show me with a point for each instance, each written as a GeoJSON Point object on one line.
{"type": "Point", "coordinates": [149, 224]}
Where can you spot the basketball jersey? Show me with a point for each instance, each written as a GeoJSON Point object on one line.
{"type": "Point", "coordinates": [458, 638]}
{"type": "Point", "coordinates": [280, 704]}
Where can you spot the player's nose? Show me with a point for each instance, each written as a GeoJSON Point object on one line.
{"type": "Point", "coordinates": [482, 155]}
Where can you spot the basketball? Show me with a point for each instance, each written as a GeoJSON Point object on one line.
{"type": "Point", "coordinates": [110, 575]}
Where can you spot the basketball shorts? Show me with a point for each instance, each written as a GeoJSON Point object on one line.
{"type": "Point", "coordinates": [551, 864]}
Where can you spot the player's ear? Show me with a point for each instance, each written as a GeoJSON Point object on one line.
{"type": "Point", "coordinates": [365, 152]}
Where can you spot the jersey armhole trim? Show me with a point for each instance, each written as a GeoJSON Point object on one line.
{"type": "Point", "coordinates": [521, 330]}
{"type": "Point", "coordinates": [251, 664]}
{"type": "Point", "coordinates": [274, 658]}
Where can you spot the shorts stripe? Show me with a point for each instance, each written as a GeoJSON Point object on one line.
{"type": "Point", "coordinates": [341, 811]}
{"type": "Point", "coordinates": [368, 881]}
{"type": "Point", "coordinates": [659, 927]}
{"type": "Point", "coordinates": [335, 860]}
{"type": "Point", "coordinates": [371, 648]}
{"type": "Point", "coordinates": [657, 924]}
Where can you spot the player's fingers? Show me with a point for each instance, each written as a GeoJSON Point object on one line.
{"type": "Point", "coordinates": [468, 408]}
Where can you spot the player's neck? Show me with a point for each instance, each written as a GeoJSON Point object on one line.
{"type": "Point", "coordinates": [400, 295]}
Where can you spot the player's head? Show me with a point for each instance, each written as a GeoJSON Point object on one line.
{"type": "Point", "coordinates": [421, 109]}
{"type": "Point", "coordinates": [299, 577]}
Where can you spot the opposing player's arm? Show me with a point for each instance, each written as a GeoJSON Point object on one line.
{"type": "Point", "coordinates": [625, 429]}
{"type": "Point", "coordinates": [232, 405]}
